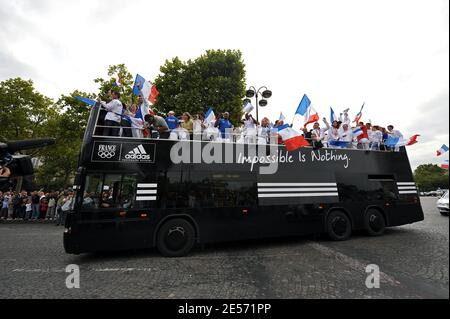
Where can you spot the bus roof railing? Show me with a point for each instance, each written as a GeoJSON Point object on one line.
{"type": "Point", "coordinates": [238, 137]}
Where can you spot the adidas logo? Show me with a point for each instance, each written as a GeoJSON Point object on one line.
{"type": "Point", "coordinates": [138, 153]}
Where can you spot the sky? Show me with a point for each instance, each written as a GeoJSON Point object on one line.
{"type": "Point", "coordinates": [392, 55]}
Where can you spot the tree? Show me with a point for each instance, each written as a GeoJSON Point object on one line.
{"type": "Point", "coordinates": [59, 162]}
{"type": "Point", "coordinates": [215, 79]}
{"type": "Point", "coordinates": [108, 85]}
{"type": "Point", "coordinates": [430, 177]}
{"type": "Point", "coordinates": [24, 112]}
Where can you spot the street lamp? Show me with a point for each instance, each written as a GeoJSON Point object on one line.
{"type": "Point", "coordinates": [263, 92]}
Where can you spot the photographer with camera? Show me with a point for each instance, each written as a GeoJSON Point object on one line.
{"type": "Point", "coordinates": [156, 123]}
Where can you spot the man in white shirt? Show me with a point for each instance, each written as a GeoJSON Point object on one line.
{"type": "Point", "coordinates": [333, 131]}
{"type": "Point", "coordinates": [346, 118]}
{"type": "Point", "coordinates": [395, 134]}
{"type": "Point", "coordinates": [249, 129]}
{"type": "Point", "coordinates": [375, 138]}
{"type": "Point", "coordinates": [114, 115]}
{"type": "Point", "coordinates": [346, 135]}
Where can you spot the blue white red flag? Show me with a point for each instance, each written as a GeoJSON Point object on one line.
{"type": "Point", "coordinates": [304, 105]}
{"type": "Point", "coordinates": [397, 142]}
{"type": "Point", "coordinates": [442, 150]}
{"type": "Point", "coordinates": [141, 86]}
{"type": "Point", "coordinates": [210, 116]}
{"type": "Point", "coordinates": [357, 132]}
{"type": "Point", "coordinates": [291, 138]}
{"type": "Point", "coordinates": [333, 116]}
{"type": "Point", "coordinates": [359, 115]}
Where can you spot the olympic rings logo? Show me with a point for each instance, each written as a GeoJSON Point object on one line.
{"type": "Point", "coordinates": [106, 154]}
{"type": "Point", "coordinates": [106, 151]}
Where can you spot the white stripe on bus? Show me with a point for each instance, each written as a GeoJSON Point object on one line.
{"type": "Point", "coordinates": [298, 195]}
{"type": "Point", "coordinates": [407, 188]}
{"type": "Point", "coordinates": [406, 184]}
{"type": "Point", "coordinates": [147, 192]}
{"type": "Point", "coordinates": [408, 192]}
{"type": "Point", "coordinates": [145, 198]}
{"type": "Point", "coordinates": [268, 190]}
{"type": "Point", "coordinates": [294, 184]}
{"type": "Point", "coordinates": [147, 185]}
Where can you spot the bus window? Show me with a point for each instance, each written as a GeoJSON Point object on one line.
{"type": "Point", "coordinates": [221, 190]}
{"type": "Point", "coordinates": [92, 191]}
{"type": "Point", "coordinates": [382, 187]}
{"type": "Point", "coordinates": [110, 192]}
{"type": "Point", "coordinates": [128, 191]}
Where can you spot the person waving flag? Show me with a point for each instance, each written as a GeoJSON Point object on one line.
{"type": "Point", "coordinates": [359, 115]}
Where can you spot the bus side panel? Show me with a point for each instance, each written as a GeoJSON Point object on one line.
{"type": "Point", "coordinates": [406, 212]}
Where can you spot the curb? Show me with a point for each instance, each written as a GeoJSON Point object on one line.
{"type": "Point", "coordinates": [37, 222]}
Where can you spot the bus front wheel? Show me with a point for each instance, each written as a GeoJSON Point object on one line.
{"type": "Point", "coordinates": [176, 238]}
{"type": "Point", "coordinates": [339, 226]}
{"type": "Point", "coordinates": [374, 222]}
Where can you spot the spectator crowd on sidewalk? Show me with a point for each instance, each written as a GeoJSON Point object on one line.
{"type": "Point", "coordinates": [36, 206]}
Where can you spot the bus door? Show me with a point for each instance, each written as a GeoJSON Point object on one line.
{"type": "Point", "coordinates": [107, 211]}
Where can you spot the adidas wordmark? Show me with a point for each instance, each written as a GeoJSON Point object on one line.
{"type": "Point", "coordinates": [138, 153]}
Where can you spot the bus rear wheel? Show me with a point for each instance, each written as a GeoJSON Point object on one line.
{"type": "Point", "coordinates": [175, 238]}
{"type": "Point", "coordinates": [339, 226]}
{"type": "Point", "coordinates": [374, 222]}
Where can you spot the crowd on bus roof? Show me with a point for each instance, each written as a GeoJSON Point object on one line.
{"type": "Point", "coordinates": [120, 120]}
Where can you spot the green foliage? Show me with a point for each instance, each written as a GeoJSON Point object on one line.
{"type": "Point", "coordinates": [60, 160]}
{"type": "Point", "coordinates": [430, 177]}
{"type": "Point", "coordinates": [107, 85]}
{"type": "Point", "coordinates": [215, 79]}
{"type": "Point", "coordinates": [24, 113]}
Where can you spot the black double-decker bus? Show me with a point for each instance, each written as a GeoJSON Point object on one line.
{"type": "Point", "coordinates": [140, 193]}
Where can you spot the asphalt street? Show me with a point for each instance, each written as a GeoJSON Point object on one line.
{"type": "Point", "coordinates": [413, 261]}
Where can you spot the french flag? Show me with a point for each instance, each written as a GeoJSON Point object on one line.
{"type": "Point", "coordinates": [210, 116]}
{"type": "Point", "coordinates": [311, 117]}
{"type": "Point", "coordinates": [306, 111]}
{"type": "Point", "coordinates": [397, 142]}
{"type": "Point", "coordinates": [442, 150]}
{"type": "Point", "coordinates": [148, 90]}
{"type": "Point", "coordinates": [445, 165]}
{"type": "Point", "coordinates": [333, 116]}
{"type": "Point", "coordinates": [357, 132]}
{"type": "Point", "coordinates": [118, 81]}
{"type": "Point", "coordinates": [291, 138]}
{"type": "Point", "coordinates": [359, 115]}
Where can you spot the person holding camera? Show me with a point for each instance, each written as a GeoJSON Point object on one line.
{"type": "Point", "coordinates": [157, 123]}
{"type": "Point", "coordinates": [223, 123]}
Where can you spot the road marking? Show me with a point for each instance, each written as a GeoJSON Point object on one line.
{"type": "Point", "coordinates": [54, 270]}
{"type": "Point", "coordinates": [352, 263]}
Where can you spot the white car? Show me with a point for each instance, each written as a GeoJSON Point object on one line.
{"type": "Point", "coordinates": [442, 204]}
